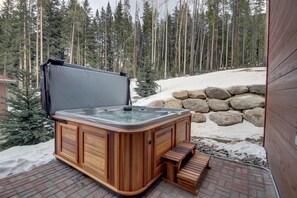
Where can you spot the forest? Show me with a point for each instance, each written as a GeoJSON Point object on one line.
{"type": "Point", "coordinates": [197, 36]}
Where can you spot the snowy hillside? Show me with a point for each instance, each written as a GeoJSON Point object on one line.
{"type": "Point", "coordinates": [233, 138]}
{"type": "Point", "coordinates": [218, 137]}
{"type": "Point", "coordinates": [221, 79]}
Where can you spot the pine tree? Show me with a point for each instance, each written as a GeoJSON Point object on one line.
{"type": "Point", "coordinates": [146, 31]}
{"type": "Point", "coordinates": [109, 54]}
{"type": "Point", "coordinates": [24, 124]}
{"type": "Point", "coordinates": [146, 77]}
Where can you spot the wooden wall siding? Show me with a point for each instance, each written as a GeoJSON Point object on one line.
{"type": "Point", "coordinates": [281, 104]}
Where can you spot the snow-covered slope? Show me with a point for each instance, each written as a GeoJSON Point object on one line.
{"type": "Point", "coordinates": [24, 158]}
{"type": "Point", "coordinates": [221, 79]}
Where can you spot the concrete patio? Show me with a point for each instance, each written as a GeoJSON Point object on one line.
{"type": "Point", "coordinates": [56, 179]}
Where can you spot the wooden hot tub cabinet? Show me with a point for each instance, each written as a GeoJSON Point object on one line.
{"type": "Point", "coordinates": [125, 161]}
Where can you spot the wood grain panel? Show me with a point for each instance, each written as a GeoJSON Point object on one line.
{"type": "Point", "coordinates": [285, 97]}
{"type": "Point", "coordinates": [289, 49]}
{"type": "Point", "coordinates": [94, 151]}
{"type": "Point", "coordinates": [162, 142]}
{"type": "Point", "coordinates": [181, 131]}
{"type": "Point", "coordinates": [126, 162]}
{"type": "Point", "coordinates": [281, 104]}
{"type": "Point", "coordinates": [283, 32]}
{"type": "Point", "coordinates": [68, 142]}
{"type": "Point", "coordinates": [131, 161]}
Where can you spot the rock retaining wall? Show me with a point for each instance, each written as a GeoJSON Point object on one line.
{"type": "Point", "coordinates": [228, 106]}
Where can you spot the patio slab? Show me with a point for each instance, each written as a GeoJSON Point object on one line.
{"type": "Point", "coordinates": [57, 179]}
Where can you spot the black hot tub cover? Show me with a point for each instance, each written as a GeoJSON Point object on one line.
{"type": "Point", "coordinates": [66, 86]}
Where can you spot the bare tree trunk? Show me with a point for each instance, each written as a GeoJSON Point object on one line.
{"type": "Point", "coordinates": [243, 42]}
{"type": "Point", "coordinates": [47, 48]}
{"type": "Point", "coordinates": [153, 34]}
{"type": "Point", "coordinates": [179, 41]}
{"type": "Point", "coordinates": [134, 54]}
{"type": "Point", "coordinates": [21, 66]}
{"type": "Point", "coordinates": [185, 41]}
{"type": "Point", "coordinates": [37, 51]}
{"type": "Point", "coordinates": [4, 65]}
{"type": "Point", "coordinates": [212, 46]}
{"type": "Point", "coordinates": [208, 52]}
{"type": "Point", "coordinates": [232, 43]}
{"type": "Point", "coordinates": [72, 36]}
{"type": "Point", "coordinates": [227, 42]}
{"type": "Point", "coordinates": [25, 44]}
{"type": "Point", "coordinates": [223, 36]}
{"type": "Point", "coordinates": [72, 43]}
{"type": "Point", "coordinates": [29, 55]}
{"type": "Point", "coordinates": [166, 41]}
{"type": "Point", "coordinates": [78, 50]}
{"type": "Point", "coordinates": [41, 33]}
{"type": "Point", "coordinates": [193, 38]}
{"type": "Point", "coordinates": [201, 51]}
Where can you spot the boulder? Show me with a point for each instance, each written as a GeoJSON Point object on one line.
{"type": "Point", "coordinates": [197, 94]}
{"type": "Point", "coordinates": [196, 105]}
{"type": "Point", "coordinates": [258, 89]}
{"type": "Point", "coordinates": [240, 89]}
{"type": "Point", "coordinates": [247, 101]}
{"type": "Point", "coordinates": [173, 103]}
{"type": "Point", "coordinates": [198, 117]}
{"type": "Point", "coordinates": [157, 103]}
{"type": "Point", "coordinates": [225, 118]}
{"type": "Point", "coordinates": [181, 94]}
{"type": "Point", "coordinates": [218, 105]}
{"type": "Point", "coordinates": [217, 93]}
{"type": "Point", "coordinates": [255, 116]}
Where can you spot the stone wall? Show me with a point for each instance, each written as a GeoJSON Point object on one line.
{"type": "Point", "coordinates": [227, 106]}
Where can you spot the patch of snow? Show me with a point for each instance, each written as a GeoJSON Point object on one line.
{"type": "Point", "coordinates": [240, 131]}
{"type": "Point", "coordinates": [239, 150]}
{"type": "Point", "coordinates": [23, 158]}
{"type": "Point", "coordinates": [221, 79]}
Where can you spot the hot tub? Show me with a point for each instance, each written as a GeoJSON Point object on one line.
{"type": "Point", "coordinates": [100, 134]}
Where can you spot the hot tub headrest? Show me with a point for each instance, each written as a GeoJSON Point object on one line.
{"type": "Point", "coordinates": [67, 86]}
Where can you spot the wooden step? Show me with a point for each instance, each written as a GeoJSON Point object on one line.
{"type": "Point", "coordinates": [192, 173]}
{"type": "Point", "coordinates": [176, 157]}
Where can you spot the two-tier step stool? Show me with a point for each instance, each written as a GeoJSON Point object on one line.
{"type": "Point", "coordinates": [184, 167]}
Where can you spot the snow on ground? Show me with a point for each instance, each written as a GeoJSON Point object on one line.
{"type": "Point", "coordinates": [237, 132]}
{"type": "Point", "coordinates": [23, 158]}
{"type": "Point", "coordinates": [239, 150]}
{"type": "Point", "coordinates": [209, 130]}
{"type": "Point", "coordinates": [222, 79]}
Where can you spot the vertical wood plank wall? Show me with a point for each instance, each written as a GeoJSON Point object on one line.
{"type": "Point", "coordinates": [281, 106]}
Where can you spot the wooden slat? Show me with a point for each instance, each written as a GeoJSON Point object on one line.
{"type": "Point", "coordinates": [281, 104]}
{"type": "Point", "coordinates": [284, 31]}
{"type": "Point", "coordinates": [194, 169]}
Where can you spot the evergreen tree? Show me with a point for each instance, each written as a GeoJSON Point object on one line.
{"type": "Point", "coordinates": [24, 124]}
{"type": "Point", "coordinates": [53, 28]}
{"type": "Point", "coordinates": [108, 39]}
{"type": "Point", "coordinates": [146, 77]}
{"type": "Point", "coordinates": [146, 31]}
{"type": "Point", "coordinates": [118, 35]}
{"type": "Point", "coordinates": [7, 42]}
